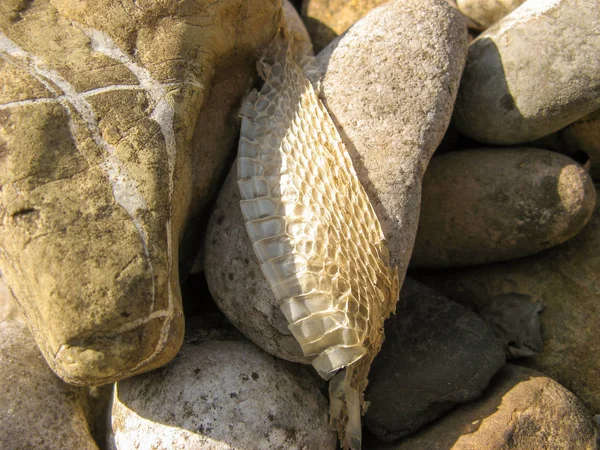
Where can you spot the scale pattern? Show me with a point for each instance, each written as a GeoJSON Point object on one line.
{"type": "Point", "coordinates": [314, 231]}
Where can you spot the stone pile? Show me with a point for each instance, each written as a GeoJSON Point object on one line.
{"type": "Point", "coordinates": [119, 123]}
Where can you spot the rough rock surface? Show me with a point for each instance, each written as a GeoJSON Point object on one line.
{"type": "Point", "coordinates": [38, 410]}
{"type": "Point", "coordinates": [221, 395]}
{"type": "Point", "coordinates": [327, 19]}
{"type": "Point", "coordinates": [522, 409]}
{"type": "Point", "coordinates": [491, 204]}
{"type": "Point", "coordinates": [437, 354]}
{"type": "Point", "coordinates": [9, 310]}
{"type": "Point", "coordinates": [487, 12]}
{"type": "Point", "coordinates": [389, 85]}
{"type": "Point", "coordinates": [135, 96]}
{"type": "Point", "coordinates": [564, 280]}
{"type": "Point", "coordinates": [500, 99]}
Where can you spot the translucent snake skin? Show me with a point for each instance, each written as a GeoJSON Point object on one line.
{"type": "Point", "coordinates": [314, 231]}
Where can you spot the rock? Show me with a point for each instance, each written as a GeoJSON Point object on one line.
{"type": "Point", "coordinates": [389, 85]}
{"type": "Point", "coordinates": [565, 280]}
{"type": "Point", "coordinates": [487, 12]}
{"type": "Point", "coordinates": [584, 136]}
{"type": "Point", "coordinates": [500, 100]}
{"type": "Point", "coordinates": [221, 395]}
{"type": "Point", "coordinates": [9, 310]}
{"type": "Point", "coordinates": [437, 354]}
{"type": "Point", "coordinates": [522, 409]}
{"type": "Point", "coordinates": [492, 204]}
{"type": "Point", "coordinates": [232, 271]}
{"type": "Point", "coordinates": [130, 108]}
{"type": "Point", "coordinates": [38, 410]}
{"type": "Point", "coordinates": [327, 19]}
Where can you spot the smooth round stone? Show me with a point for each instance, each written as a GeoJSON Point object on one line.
{"type": "Point", "coordinates": [531, 73]}
{"type": "Point", "coordinates": [221, 395]}
{"type": "Point", "coordinates": [437, 354]}
{"type": "Point", "coordinates": [584, 136]}
{"type": "Point", "coordinates": [487, 12]}
{"type": "Point", "coordinates": [491, 204]}
{"type": "Point", "coordinates": [37, 409]}
{"type": "Point", "coordinates": [564, 280]}
{"type": "Point", "coordinates": [522, 409]}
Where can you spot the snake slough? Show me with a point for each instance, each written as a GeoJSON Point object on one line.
{"type": "Point", "coordinates": [314, 231]}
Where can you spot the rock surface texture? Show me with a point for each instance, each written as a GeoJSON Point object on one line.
{"type": "Point", "coordinates": [101, 113]}
{"type": "Point", "coordinates": [491, 204]}
{"type": "Point", "coordinates": [500, 100]}
{"type": "Point", "coordinates": [221, 395]}
{"type": "Point", "coordinates": [38, 410]}
{"type": "Point", "coordinates": [487, 12]}
{"type": "Point", "coordinates": [522, 409]}
{"type": "Point", "coordinates": [437, 354]}
{"type": "Point", "coordinates": [565, 281]}
{"type": "Point", "coordinates": [9, 310]}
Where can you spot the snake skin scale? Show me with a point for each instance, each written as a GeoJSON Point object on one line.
{"type": "Point", "coordinates": [314, 232]}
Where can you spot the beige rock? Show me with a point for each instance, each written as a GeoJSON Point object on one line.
{"type": "Point", "coordinates": [327, 19]}
{"type": "Point", "coordinates": [487, 12]}
{"type": "Point", "coordinates": [584, 136]}
{"type": "Point", "coordinates": [491, 204]}
{"type": "Point", "coordinates": [9, 309]}
{"type": "Point", "coordinates": [565, 280]}
{"type": "Point", "coordinates": [38, 410]}
{"type": "Point", "coordinates": [510, 94]}
{"type": "Point", "coordinates": [221, 395]}
{"type": "Point", "coordinates": [522, 409]}
{"type": "Point", "coordinates": [116, 119]}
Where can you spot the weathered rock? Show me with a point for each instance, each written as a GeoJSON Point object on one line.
{"type": "Point", "coordinates": [9, 310]}
{"type": "Point", "coordinates": [522, 409]}
{"type": "Point", "coordinates": [327, 19]}
{"type": "Point", "coordinates": [117, 119]}
{"type": "Point", "coordinates": [437, 354]}
{"type": "Point", "coordinates": [487, 12]}
{"type": "Point", "coordinates": [491, 204]}
{"type": "Point", "coordinates": [221, 395]}
{"type": "Point", "coordinates": [565, 281]}
{"type": "Point", "coordinates": [584, 136]}
{"type": "Point", "coordinates": [232, 271]}
{"type": "Point", "coordinates": [394, 170]}
{"type": "Point", "coordinates": [500, 100]}
{"type": "Point", "coordinates": [38, 410]}
{"type": "Point", "coordinates": [390, 84]}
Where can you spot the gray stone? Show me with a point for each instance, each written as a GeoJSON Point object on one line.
{"type": "Point", "coordinates": [221, 395]}
{"type": "Point", "coordinates": [492, 204]}
{"type": "Point", "coordinates": [38, 410]}
{"type": "Point", "coordinates": [389, 85]}
{"type": "Point", "coordinates": [487, 12]}
{"type": "Point", "coordinates": [522, 410]}
{"type": "Point", "coordinates": [531, 73]}
{"type": "Point", "coordinates": [564, 280]}
{"type": "Point", "coordinates": [437, 354]}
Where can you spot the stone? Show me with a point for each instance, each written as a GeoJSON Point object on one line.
{"type": "Point", "coordinates": [389, 84]}
{"type": "Point", "coordinates": [501, 100]}
{"type": "Point", "coordinates": [327, 19]}
{"type": "Point", "coordinates": [522, 409]}
{"type": "Point", "coordinates": [117, 119]}
{"type": "Point", "coordinates": [487, 12]}
{"type": "Point", "coordinates": [492, 204]}
{"type": "Point", "coordinates": [437, 354]}
{"type": "Point", "coordinates": [38, 410]}
{"type": "Point", "coordinates": [584, 136]}
{"type": "Point", "coordinates": [221, 395]}
{"type": "Point", "coordinates": [9, 309]}
{"type": "Point", "coordinates": [564, 280]}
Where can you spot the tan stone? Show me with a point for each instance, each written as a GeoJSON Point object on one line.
{"type": "Point", "coordinates": [565, 280]}
{"type": "Point", "coordinates": [487, 12]}
{"type": "Point", "coordinates": [116, 121]}
{"type": "Point", "coordinates": [9, 309]}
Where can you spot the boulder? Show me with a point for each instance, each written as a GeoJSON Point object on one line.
{"type": "Point", "coordinates": [437, 354]}
{"type": "Point", "coordinates": [38, 409]}
{"type": "Point", "coordinates": [492, 204]}
{"type": "Point", "coordinates": [487, 12]}
{"type": "Point", "coordinates": [117, 121]}
{"type": "Point", "coordinates": [221, 395]}
{"type": "Point", "coordinates": [501, 100]}
{"type": "Point", "coordinates": [564, 280]}
{"type": "Point", "coordinates": [522, 409]}
{"type": "Point", "coordinates": [9, 309]}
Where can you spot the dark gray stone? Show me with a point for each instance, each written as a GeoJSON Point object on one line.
{"type": "Point", "coordinates": [437, 354]}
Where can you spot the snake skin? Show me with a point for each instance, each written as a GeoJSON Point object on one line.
{"type": "Point", "coordinates": [314, 231]}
